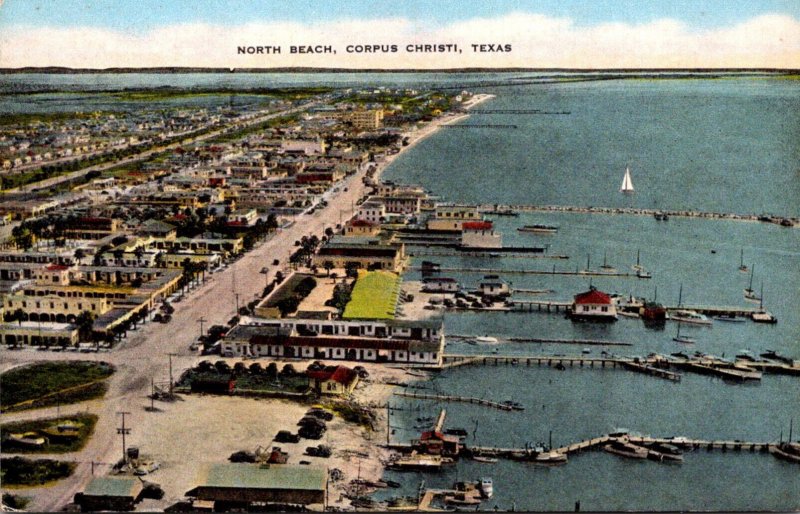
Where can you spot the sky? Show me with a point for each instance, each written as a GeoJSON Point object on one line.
{"type": "Point", "coordinates": [541, 33]}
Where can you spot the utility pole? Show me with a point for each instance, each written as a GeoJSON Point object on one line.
{"type": "Point", "coordinates": [170, 371]}
{"type": "Point", "coordinates": [123, 432]}
{"type": "Point", "coordinates": [201, 321]}
{"type": "Point", "coordinates": [236, 296]}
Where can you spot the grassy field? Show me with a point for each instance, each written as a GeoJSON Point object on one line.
{"type": "Point", "coordinates": [22, 472]}
{"type": "Point", "coordinates": [49, 383]}
{"type": "Point", "coordinates": [58, 442]}
{"type": "Point", "coordinates": [374, 296]}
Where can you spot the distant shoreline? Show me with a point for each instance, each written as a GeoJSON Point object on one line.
{"type": "Point", "coordinates": [189, 70]}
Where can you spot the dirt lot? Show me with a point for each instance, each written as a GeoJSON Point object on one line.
{"type": "Point", "coordinates": [200, 429]}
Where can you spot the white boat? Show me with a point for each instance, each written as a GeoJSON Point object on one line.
{"type": "Point", "coordinates": [486, 340]}
{"type": "Point", "coordinates": [627, 183]}
{"type": "Point", "coordinates": [749, 293]}
{"type": "Point", "coordinates": [688, 316]}
{"type": "Point", "coordinates": [742, 266]}
{"type": "Point", "coordinates": [487, 489]}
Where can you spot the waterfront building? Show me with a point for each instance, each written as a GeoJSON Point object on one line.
{"type": "Point", "coordinates": [366, 253]}
{"type": "Point", "coordinates": [594, 305]}
{"type": "Point", "coordinates": [333, 380]}
{"type": "Point", "coordinates": [451, 217]}
{"type": "Point", "coordinates": [492, 286]}
{"type": "Point", "coordinates": [359, 227]}
{"type": "Point", "coordinates": [372, 211]}
{"type": "Point", "coordinates": [480, 234]}
{"type": "Point", "coordinates": [440, 285]}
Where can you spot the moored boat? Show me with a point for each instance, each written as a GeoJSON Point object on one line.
{"type": "Point", "coordinates": [539, 229]}
{"type": "Point", "coordinates": [486, 487]}
{"type": "Point", "coordinates": [787, 451]}
{"type": "Point", "coordinates": [690, 316]}
{"type": "Point", "coordinates": [626, 449]}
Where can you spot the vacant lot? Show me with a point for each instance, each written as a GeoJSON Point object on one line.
{"type": "Point", "coordinates": [49, 383]}
{"type": "Point", "coordinates": [64, 434]}
{"type": "Point", "coordinates": [21, 472]}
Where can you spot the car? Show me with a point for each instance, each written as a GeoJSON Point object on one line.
{"type": "Point", "coordinates": [276, 262]}
{"type": "Point", "coordinates": [264, 270]}
{"type": "Point", "coordinates": [284, 436]}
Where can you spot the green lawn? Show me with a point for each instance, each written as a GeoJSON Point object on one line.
{"type": "Point", "coordinates": [59, 441]}
{"type": "Point", "coordinates": [374, 296]}
{"type": "Point", "coordinates": [49, 383]}
{"type": "Point", "coordinates": [21, 472]}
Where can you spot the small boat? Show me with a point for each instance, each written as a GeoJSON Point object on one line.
{"type": "Point", "coordinates": [637, 266]}
{"type": "Point", "coordinates": [742, 266]}
{"type": "Point", "coordinates": [731, 318]}
{"type": "Point", "coordinates": [683, 339]}
{"type": "Point", "coordinates": [486, 487]}
{"type": "Point", "coordinates": [773, 355]}
{"type": "Point", "coordinates": [586, 351]}
{"type": "Point", "coordinates": [485, 460]}
{"type": "Point", "coordinates": [539, 229]}
{"type": "Point", "coordinates": [627, 183]}
{"type": "Point", "coordinates": [460, 432]}
{"type": "Point", "coordinates": [626, 449]}
{"type": "Point", "coordinates": [605, 267]}
{"type": "Point", "coordinates": [749, 293]}
{"type": "Point", "coordinates": [486, 340]}
{"type": "Point", "coordinates": [689, 316]}
{"type": "Point", "coordinates": [787, 451]}
{"type": "Point", "coordinates": [550, 457]}
{"type": "Point", "coordinates": [643, 274]}
{"type": "Point", "coordinates": [680, 355]}
{"type": "Point", "coordinates": [661, 216]}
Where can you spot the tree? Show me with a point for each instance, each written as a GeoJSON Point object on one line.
{"type": "Point", "coordinates": [256, 369]}
{"type": "Point", "coordinates": [272, 371]}
{"type": "Point", "coordinates": [328, 265]}
{"type": "Point", "coordinates": [222, 367]}
{"type": "Point", "coordinates": [138, 252]}
{"type": "Point", "coordinates": [118, 254]}
{"type": "Point", "coordinates": [79, 255]}
{"type": "Point", "coordinates": [239, 368]}
{"type": "Point", "coordinates": [85, 323]}
{"type": "Point", "coordinates": [288, 370]}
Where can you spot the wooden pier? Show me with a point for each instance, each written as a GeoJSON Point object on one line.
{"type": "Point", "coordinates": [550, 340]}
{"type": "Point", "coordinates": [586, 273]}
{"type": "Point", "coordinates": [539, 305]}
{"type": "Point", "coordinates": [658, 366]}
{"type": "Point", "coordinates": [461, 399]}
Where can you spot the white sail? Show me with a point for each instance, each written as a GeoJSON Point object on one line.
{"type": "Point", "coordinates": [627, 183]}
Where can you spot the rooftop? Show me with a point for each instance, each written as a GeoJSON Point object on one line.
{"type": "Point", "coordinates": [309, 478]}
{"type": "Point", "coordinates": [374, 296]}
{"type": "Point", "coordinates": [107, 486]}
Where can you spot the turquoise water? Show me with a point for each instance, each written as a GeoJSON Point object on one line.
{"type": "Point", "coordinates": [711, 145]}
{"type": "Point", "coordinates": [715, 146]}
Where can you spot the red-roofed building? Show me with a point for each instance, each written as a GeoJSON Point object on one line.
{"type": "Point", "coordinates": [480, 234]}
{"type": "Point", "coordinates": [361, 227]}
{"type": "Point", "coordinates": [434, 442]}
{"type": "Point", "coordinates": [594, 305]}
{"type": "Point", "coordinates": [333, 380]}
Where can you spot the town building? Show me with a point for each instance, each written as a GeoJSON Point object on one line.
{"type": "Point", "coordinates": [366, 119]}
{"type": "Point", "coordinates": [593, 305]}
{"type": "Point", "coordinates": [480, 234]}
{"type": "Point", "coordinates": [440, 285]}
{"type": "Point", "coordinates": [492, 286]}
{"type": "Point", "coordinates": [452, 217]}
{"type": "Point", "coordinates": [333, 380]}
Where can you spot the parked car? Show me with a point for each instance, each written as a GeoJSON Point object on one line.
{"type": "Point", "coordinates": [284, 436]}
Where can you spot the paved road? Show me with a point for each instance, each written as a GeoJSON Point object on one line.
{"type": "Point", "coordinates": [143, 354]}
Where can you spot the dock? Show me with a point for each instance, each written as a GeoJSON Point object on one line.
{"type": "Point", "coordinates": [461, 399]}
{"type": "Point", "coordinates": [550, 340]}
{"type": "Point", "coordinates": [657, 366]}
{"type": "Point", "coordinates": [584, 273]}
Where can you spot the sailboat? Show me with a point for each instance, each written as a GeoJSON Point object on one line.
{"type": "Point", "coordinates": [749, 293]}
{"type": "Point", "coordinates": [637, 266]}
{"type": "Point", "coordinates": [742, 266]}
{"type": "Point", "coordinates": [682, 339]}
{"type": "Point", "coordinates": [627, 183]}
{"type": "Point", "coordinates": [606, 267]}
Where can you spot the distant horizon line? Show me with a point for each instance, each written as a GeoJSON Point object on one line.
{"type": "Point", "coordinates": [302, 69]}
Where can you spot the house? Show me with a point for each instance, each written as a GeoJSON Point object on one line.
{"type": "Point", "coordinates": [110, 493]}
{"type": "Point", "coordinates": [360, 227]}
{"type": "Point", "coordinates": [336, 380]}
{"type": "Point", "coordinates": [492, 286]}
{"type": "Point", "coordinates": [367, 119]}
{"type": "Point", "coordinates": [440, 285]}
{"type": "Point", "coordinates": [368, 255]}
{"type": "Point", "coordinates": [480, 234]}
{"type": "Point", "coordinates": [372, 211]}
{"type": "Point", "coordinates": [434, 442]}
{"type": "Point", "coordinates": [451, 217]}
{"type": "Point", "coordinates": [593, 305]}
{"type": "Point", "coordinates": [157, 228]}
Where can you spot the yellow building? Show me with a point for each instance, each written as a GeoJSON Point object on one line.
{"type": "Point", "coordinates": [370, 119]}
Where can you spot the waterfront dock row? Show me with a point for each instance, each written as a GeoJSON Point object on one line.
{"type": "Point", "coordinates": [587, 273]}
{"type": "Point", "coordinates": [658, 366]}
{"type": "Point", "coordinates": [778, 220]}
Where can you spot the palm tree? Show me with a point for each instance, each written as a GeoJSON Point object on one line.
{"type": "Point", "coordinates": [138, 252]}
{"type": "Point", "coordinates": [85, 323]}
{"type": "Point", "coordinates": [79, 255]}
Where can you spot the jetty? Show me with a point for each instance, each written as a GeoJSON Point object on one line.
{"type": "Point", "coordinates": [462, 399]}
{"type": "Point", "coordinates": [589, 273]}
{"type": "Point", "coordinates": [784, 221]}
{"type": "Point", "coordinates": [550, 340]}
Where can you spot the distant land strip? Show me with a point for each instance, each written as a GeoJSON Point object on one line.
{"type": "Point", "coordinates": [300, 69]}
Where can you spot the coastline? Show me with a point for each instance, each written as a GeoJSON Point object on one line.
{"type": "Point", "coordinates": [419, 134]}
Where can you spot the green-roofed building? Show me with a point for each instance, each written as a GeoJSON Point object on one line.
{"type": "Point", "coordinates": [110, 493]}
{"type": "Point", "coordinates": [374, 296]}
{"type": "Point", "coordinates": [244, 484]}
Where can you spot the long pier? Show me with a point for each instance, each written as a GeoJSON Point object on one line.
{"type": "Point", "coordinates": [451, 398]}
{"type": "Point", "coordinates": [658, 366]}
{"type": "Point", "coordinates": [589, 273]}
{"type": "Point", "coordinates": [550, 340]}
{"type": "Point", "coordinates": [595, 442]}
{"type": "Point", "coordinates": [778, 220]}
